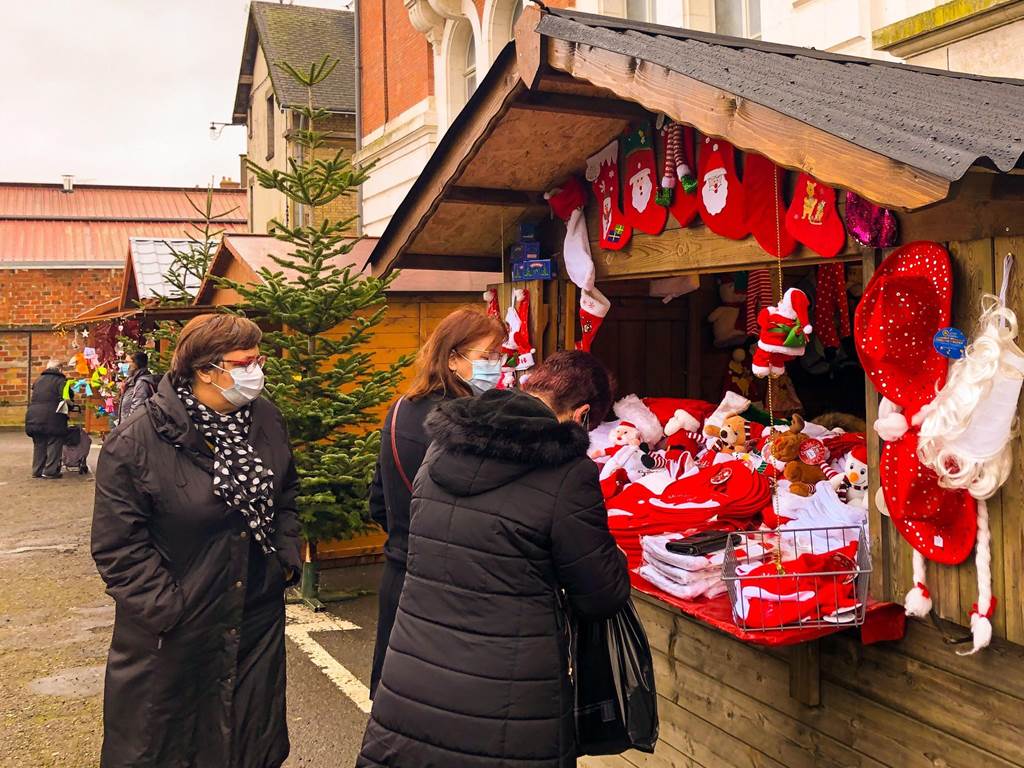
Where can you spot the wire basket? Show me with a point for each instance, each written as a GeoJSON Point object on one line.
{"type": "Point", "coordinates": [823, 580]}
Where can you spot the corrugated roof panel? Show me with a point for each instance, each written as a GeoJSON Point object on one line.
{"type": "Point", "coordinates": [116, 202]}
{"type": "Point", "coordinates": [936, 121]}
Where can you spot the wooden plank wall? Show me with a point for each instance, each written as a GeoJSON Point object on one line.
{"type": "Point", "coordinates": [726, 704]}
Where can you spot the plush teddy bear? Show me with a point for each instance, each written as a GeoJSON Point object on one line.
{"type": "Point", "coordinates": [800, 456]}
{"type": "Point", "coordinates": [735, 435]}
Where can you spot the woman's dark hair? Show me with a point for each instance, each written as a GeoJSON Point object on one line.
{"type": "Point", "coordinates": [571, 379]}
{"type": "Point", "coordinates": [205, 340]}
{"type": "Point", "coordinates": [462, 327]}
{"type": "Point", "coordinates": [141, 360]}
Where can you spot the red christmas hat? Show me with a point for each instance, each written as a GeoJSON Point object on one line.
{"type": "Point", "coordinates": [906, 301]}
{"type": "Point", "coordinates": [939, 523]}
{"type": "Point", "coordinates": [665, 408]}
{"type": "Point", "coordinates": [860, 453]}
{"type": "Point", "coordinates": [795, 304]}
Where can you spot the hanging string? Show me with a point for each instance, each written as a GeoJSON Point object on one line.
{"type": "Point", "coordinates": [771, 375]}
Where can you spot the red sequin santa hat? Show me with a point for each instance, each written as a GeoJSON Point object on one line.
{"type": "Point", "coordinates": [906, 301]}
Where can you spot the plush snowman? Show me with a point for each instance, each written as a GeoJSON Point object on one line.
{"type": "Point", "coordinates": [855, 476]}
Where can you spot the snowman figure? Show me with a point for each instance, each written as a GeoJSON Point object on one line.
{"type": "Point", "coordinates": [855, 476]}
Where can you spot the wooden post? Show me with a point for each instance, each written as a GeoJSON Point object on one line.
{"type": "Point", "coordinates": [805, 673]}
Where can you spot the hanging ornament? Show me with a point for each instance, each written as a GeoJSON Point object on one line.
{"type": "Point", "coordinates": [762, 188]}
{"type": "Point", "coordinates": [784, 331]}
{"type": "Point", "coordinates": [593, 309]}
{"type": "Point", "coordinates": [721, 195]}
{"type": "Point", "coordinates": [521, 335]}
{"type": "Point", "coordinates": [812, 218]}
{"type": "Point", "coordinates": [639, 205]}
{"type": "Point", "coordinates": [603, 174]}
{"type": "Point", "coordinates": [870, 224]}
{"type": "Point", "coordinates": [85, 333]}
{"type": "Point", "coordinates": [491, 299]}
{"type": "Point", "coordinates": [831, 306]}
{"type": "Point", "coordinates": [566, 203]}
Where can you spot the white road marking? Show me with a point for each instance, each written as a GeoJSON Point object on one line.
{"type": "Point", "coordinates": [301, 623]}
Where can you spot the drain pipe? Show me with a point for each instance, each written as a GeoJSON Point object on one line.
{"type": "Point", "coordinates": [359, 111]}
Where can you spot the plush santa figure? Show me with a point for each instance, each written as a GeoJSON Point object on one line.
{"type": "Point", "coordinates": [783, 334]}
{"type": "Point", "coordinates": [855, 476]}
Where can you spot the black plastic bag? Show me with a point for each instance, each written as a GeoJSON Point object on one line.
{"type": "Point", "coordinates": [616, 704]}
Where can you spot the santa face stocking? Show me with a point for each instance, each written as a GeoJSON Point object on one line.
{"type": "Point", "coordinates": [813, 219]}
{"type": "Point", "coordinates": [642, 179]}
{"type": "Point", "coordinates": [766, 214]}
{"type": "Point", "coordinates": [603, 174]}
{"type": "Point", "coordinates": [593, 309]}
{"type": "Point", "coordinates": [722, 205]}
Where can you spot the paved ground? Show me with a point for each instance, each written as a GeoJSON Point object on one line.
{"type": "Point", "coordinates": [55, 625]}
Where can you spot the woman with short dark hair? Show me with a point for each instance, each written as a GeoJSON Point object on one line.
{"type": "Point", "coordinates": [195, 535]}
{"type": "Point", "coordinates": [507, 513]}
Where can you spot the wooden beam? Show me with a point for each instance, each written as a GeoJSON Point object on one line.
{"type": "Point", "coordinates": [452, 155]}
{"type": "Point", "coordinates": [488, 196]}
{"type": "Point", "coordinates": [752, 127]}
{"type": "Point", "coordinates": [980, 205]}
{"type": "Point", "coordinates": [529, 45]}
{"type": "Point", "coordinates": [460, 263]}
{"type": "Point", "coordinates": [588, 106]}
{"type": "Point", "coordinates": [805, 673]}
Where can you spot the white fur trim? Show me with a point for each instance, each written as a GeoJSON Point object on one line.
{"type": "Point", "coordinates": [787, 351]}
{"type": "Point", "coordinates": [607, 156]}
{"type": "Point", "coordinates": [808, 328]}
{"type": "Point", "coordinates": [891, 427]}
{"type": "Point", "coordinates": [632, 409]}
{"type": "Point", "coordinates": [594, 302]}
{"type": "Point", "coordinates": [681, 421]}
{"type": "Point", "coordinates": [880, 502]}
{"type": "Point", "coordinates": [733, 403]}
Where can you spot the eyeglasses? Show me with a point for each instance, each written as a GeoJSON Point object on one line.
{"type": "Point", "coordinates": [247, 362]}
{"type": "Point", "coordinates": [486, 354]}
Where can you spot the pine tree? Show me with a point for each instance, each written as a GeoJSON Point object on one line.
{"type": "Point", "coordinates": [322, 313]}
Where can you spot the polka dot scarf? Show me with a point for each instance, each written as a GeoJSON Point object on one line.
{"type": "Point", "coordinates": [239, 476]}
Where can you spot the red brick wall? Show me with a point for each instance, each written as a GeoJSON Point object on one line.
{"type": "Point", "coordinates": [17, 372]}
{"type": "Point", "coordinates": [35, 297]}
{"type": "Point", "coordinates": [409, 61]}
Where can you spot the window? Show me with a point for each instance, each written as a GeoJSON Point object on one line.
{"type": "Point", "coordinates": [248, 118]}
{"type": "Point", "coordinates": [739, 18]}
{"type": "Point", "coordinates": [271, 135]}
{"type": "Point", "coordinates": [641, 10]}
{"type": "Point", "coordinates": [469, 71]}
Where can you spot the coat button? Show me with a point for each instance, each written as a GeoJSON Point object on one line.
{"type": "Point", "coordinates": [238, 585]}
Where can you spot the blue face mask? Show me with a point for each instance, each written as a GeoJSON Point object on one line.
{"type": "Point", "coordinates": [125, 368]}
{"type": "Point", "coordinates": [485, 375]}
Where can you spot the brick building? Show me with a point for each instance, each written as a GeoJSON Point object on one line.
{"type": "Point", "coordinates": [62, 252]}
{"type": "Point", "coordinates": [266, 98]}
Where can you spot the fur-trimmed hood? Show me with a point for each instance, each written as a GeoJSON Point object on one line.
{"type": "Point", "coordinates": [485, 442]}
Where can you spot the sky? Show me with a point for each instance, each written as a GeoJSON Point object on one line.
{"type": "Point", "coordinates": [121, 91]}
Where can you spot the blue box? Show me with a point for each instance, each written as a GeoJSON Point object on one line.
{"type": "Point", "coordinates": [522, 251]}
{"type": "Point", "coordinates": [532, 269]}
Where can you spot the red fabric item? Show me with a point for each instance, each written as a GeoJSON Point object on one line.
{"type": "Point", "coordinates": [939, 523]}
{"type": "Point", "coordinates": [906, 301]}
{"type": "Point", "coordinates": [722, 204]}
{"type": "Point", "coordinates": [593, 309]}
{"type": "Point", "coordinates": [831, 305]}
{"type": "Point", "coordinates": [766, 213]}
{"type": "Point", "coordinates": [783, 334]}
{"type": "Point", "coordinates": [641, 177]}
{"type": "Point", "coordinates": [685, 204]}
{"type": "Point", "coordinates": [759, 296]}
{"type": "Point", "coordinates": [491, 297]}
{"type": "Point", "coordinates": [603, 174]}
{"type": "Point", "coordinates": [840, 445]}
{"type": "Point", "coordinates": [522, 336]}
{"type": "Point", "coordinates": [813, 219]}
{"type": "Point", "coordinates": [571, 195]}
{"type": "Point", "coordinates": [664, 408]}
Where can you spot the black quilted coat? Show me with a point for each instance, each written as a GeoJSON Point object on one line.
{"type": "Point", "coordinates": [506, 511]}
{"type": "Point", "coordinates": [41, 418]}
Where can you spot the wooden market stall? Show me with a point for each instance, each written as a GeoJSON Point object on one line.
{"type": "Point", "coordinates": [940, 149]}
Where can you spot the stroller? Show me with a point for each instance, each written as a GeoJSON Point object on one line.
{"type": "Point", "coordinates": [77, 445]}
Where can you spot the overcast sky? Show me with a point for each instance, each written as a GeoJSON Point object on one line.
{"type": "Point", "coordinates": [121, 91]}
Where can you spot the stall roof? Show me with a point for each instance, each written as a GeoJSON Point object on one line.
{"type": "Point", "coordinates": [571, 82]}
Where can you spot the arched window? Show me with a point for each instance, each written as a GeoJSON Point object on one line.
{"type": "Point", "coordinates": [469, 69]}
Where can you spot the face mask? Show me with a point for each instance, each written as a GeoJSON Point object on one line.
{"type": "Point", "coordinates": [124, 368]}
{"type": "Point", "coordinates": [485, 375]}
{"type": "Point", "coordinates": [248, 383]}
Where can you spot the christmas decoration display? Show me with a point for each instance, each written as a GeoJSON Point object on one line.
{"type": "Point", "coordinates": [831, 308]}
{"type": "Point", "coordinates": [870, 224]}
{"type": "Point", "coordinates": [678, 184]}
{"type": "Point", "coordinates": [736, 434]}
{"type": "Point", "coordinates": [759, 296]}
{"type": "Point", "coordinates": [812, 218]}
{"type": "Point", "coordinates": [783, 334]}
{"type": "Point", "coordinates": [722, 201]}
{"type": "Point", "coordinates": [517, 318]}
{"type": "Point", "coordinates": [603, 174]}
{"type": "Point", "coordinates": [801, 456]}
{"type": "Point", "coordinates": [640, 172]}
{"type": "Point", "coordinates": [594, 308]}
{"type": "Point", "coordinates": [766, 212]}
{"type": "Point", "coordinates": [855, 477]}
{"type": "Point", "coordinates": [491, 299]}
{"type": "Point", "coordinates": [567, 201]}
{"type": "Point", "coordinates": [725, 318]}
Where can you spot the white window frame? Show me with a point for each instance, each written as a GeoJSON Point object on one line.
{"type": "Point", "coordinates": [744, 12]}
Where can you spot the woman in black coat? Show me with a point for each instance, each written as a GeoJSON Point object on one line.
{"type": "Point", "coordinates": [44, 424]}
{"type": "Point", "coordinates": [507, 512]}
{"type": "Point", "coordinates": [196, 536]}
{"type": "Point", "coordinates": [462, 350]}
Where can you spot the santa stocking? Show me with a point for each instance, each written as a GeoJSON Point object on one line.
{"type": "Point", "coordinates": [566, 203]}
{"type": "Point", "coordinates": [813, 219]}
{"type": "Point", "coordinates": [641, 173]}
{"type": "Point", "coordinates": [766, 214]}
{"type": "Point", "coordinates": [491, 297]}
{"type": "Point", "coordinates": [684, 201]}
{"type": "Point", "coordinates": [603, 174]}
{"type": "Point", "coordinates": [829, 302]}
{"type": "Point", "coordinates": [722, 205]}
{"type": "Point", "coordinates": [521, 335]}
{"type": "Point", "coordinates": [759, 296]}
{"type": "Point", "coordinates": [593, 309]}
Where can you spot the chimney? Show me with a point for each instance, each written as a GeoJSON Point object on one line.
{"type": "Point", "coordinates": [69, 183]}
{"type": "Point", "coordinates": [226, 183]}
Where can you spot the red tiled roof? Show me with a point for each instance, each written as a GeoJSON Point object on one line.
{"type": "Point", "coordinates": [40, 224]}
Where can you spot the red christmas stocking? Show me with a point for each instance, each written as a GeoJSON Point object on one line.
{"type": "Point", "coordinates": [766, 213]}
{"type": "Point", "coordinates": [641, 174]}
{"type": "Point", "coordinates": [722, 205]}
{"type": "Point", "coordinates": [603, 174]}
{"type": "Point", "coordinates": [813, 219]}
{"type": "Point", "coordinates": [830, 303]}
{"type": "Point", "coordinates": [593, 309]}
{"type": "Point", "coordinates": [521, 331]}
{"type": "Point", "coordinates": [491, 297]}
{"type": "Point", "coordinates": [678, 173]}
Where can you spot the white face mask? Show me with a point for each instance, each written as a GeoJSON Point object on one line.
{"type": "Point", "coordinates": [248, 384]}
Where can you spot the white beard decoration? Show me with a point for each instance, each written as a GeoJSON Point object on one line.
{"type": "Point", "coordinates": [642, 186]}
{"type": "Point", "coordinates": [715, 191]}
{"type": "Point", "coordinates": [606, 214]}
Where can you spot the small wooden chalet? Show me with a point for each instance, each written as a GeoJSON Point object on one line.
{"type": "Point", "coordinates": [941, 149]}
